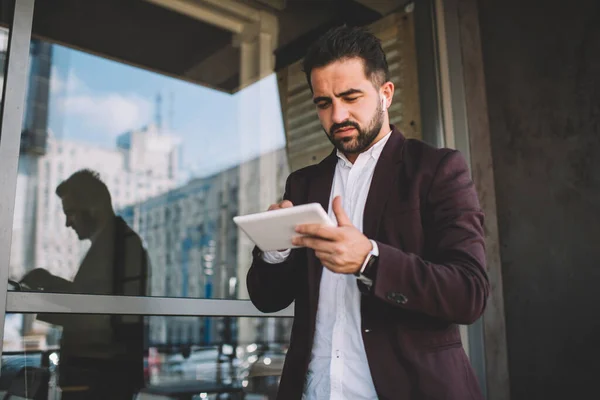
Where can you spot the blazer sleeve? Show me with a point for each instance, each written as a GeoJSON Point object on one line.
{"type": "Point", "coordinates": [273, 287]}
{"type": "Point", "coordinates": [452, 283]}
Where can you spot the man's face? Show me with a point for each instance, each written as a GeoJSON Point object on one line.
{"type": "Point", "coordinates": [81, 220]}
{"type": "Point", "coordinates": [349, 106]}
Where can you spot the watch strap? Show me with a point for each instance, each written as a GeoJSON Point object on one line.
{"type": "Point", "coordinates": [367, 272]}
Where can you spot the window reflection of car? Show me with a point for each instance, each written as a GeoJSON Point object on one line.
{"type": "Point", "coordinates": [261, 369]}
{"type": "Point", "coordinates": [200, 364]}
{"type": "Point", "coordinates": [256, 368]}
{"type": "Point", "coordinates": [269, 364]}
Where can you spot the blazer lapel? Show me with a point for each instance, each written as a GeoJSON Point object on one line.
{"type": "Point", "coordinates": [384, 178]}
{"type": "Point", "coordinates": [319, 191]}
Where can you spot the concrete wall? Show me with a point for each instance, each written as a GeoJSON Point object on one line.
{"type": "Point", "coordinates": [542, 67]}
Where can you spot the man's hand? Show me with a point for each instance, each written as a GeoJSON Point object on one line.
{"type": "Point", "coordinates": [283, 204]}
{"type": "Point", "coordinates": [36, 278]}
{"type": "Point", "coordinates": [41, 279]}
{"type": "Point", "coordinates": [278, 206]}
{"type": "Point", "coordinates": [341, 249]}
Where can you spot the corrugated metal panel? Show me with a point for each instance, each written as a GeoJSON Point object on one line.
{"type": "Point", "coordinates": [306, 141]}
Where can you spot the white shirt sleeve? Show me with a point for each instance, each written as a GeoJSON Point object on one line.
{"type": "Point", "coordinates": [375, 250]}
{"type": "Point", "coordinates": [276, 257]}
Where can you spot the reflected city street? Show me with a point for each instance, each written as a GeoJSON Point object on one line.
{"type": "Point", "coordinates": [224, 368]}
{"type": "Point", "coordinates": [253, 369]}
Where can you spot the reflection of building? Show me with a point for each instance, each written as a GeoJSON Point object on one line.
{"type": "Point", "coordinates": [33, 145]}
{"type": "Point", "coordinates": [35, 118]}
{"type": "Point", "coordinates": [40, 238]}
{"type": "Point", "coordinates": [3, 47]}
{"type": "Point", "coordinates": [151, 153]}
{"type": "Point", "coordinates": [180, 227]}
{"type": "Point", "coordinates": [35, 125]}
{"type": "Point", "coordinates": [193, 244]}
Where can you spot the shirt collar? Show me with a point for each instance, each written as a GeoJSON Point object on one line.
{"type": "Point", "coordinates": [374, 151]}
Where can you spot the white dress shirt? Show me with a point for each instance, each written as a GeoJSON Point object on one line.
{"type": "Point", "coordinates": [338, 369]}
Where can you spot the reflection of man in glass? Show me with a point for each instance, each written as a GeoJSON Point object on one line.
{"type": "Point", "coordinates": [101, 355]}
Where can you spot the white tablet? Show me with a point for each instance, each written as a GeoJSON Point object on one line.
{"type": "Point", "coordinates": [274, 230]}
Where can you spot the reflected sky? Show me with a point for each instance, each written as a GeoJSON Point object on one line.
{"type": "Point", "coordinates": [93, 100]}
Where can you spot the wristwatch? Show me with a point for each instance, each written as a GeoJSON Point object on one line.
{"type": "Point", "coordinates": [366, 273]}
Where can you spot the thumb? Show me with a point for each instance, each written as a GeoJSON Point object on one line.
{"type": "Point", "coordinates": [340, 214]}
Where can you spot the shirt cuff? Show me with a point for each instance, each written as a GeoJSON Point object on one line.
{"type": "Point", "coordinates": [375, 250]}
{"type": "Point", "coordinates": [276, 257]}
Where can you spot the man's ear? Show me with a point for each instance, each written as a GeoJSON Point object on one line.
{"type": "Point", "coordinates": [387, 92]}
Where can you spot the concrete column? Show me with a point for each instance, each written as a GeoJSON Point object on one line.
{"type": "Point", "coordinates": [258, 176]}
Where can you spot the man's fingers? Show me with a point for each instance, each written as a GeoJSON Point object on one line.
{"type": "Point", "coordinates": [286, 204]}
{"type": "Point", "coordinates": [283, 204]}
{"type": "Point", "coordinates": [317, 244]}
{"type": "Point", "coordinates": [319, 230]}
{"type": "Point", "coordinates": [323, 257]}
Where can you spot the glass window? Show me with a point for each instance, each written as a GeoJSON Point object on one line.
{"type": "Point", "coordinates": [137, 144]}
{"type": "Point", "coordinates": [5, 18]}
{"type": "Point", "coordinates": [142, 140]}
{"type": "Point", "coordinates": [113, 357]}
{"type": "Point", "coordinates": [3, 48]}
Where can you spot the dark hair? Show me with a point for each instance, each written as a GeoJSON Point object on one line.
{"type": "Point", "coordinates": [87, 188]}
{"type": "Point", "coordinates": [345, 42]}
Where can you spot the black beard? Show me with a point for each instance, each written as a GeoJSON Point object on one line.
{"type": "Point", "coordinates": [364, 138]}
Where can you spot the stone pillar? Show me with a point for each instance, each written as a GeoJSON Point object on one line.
{"type": "Point", "coordinates": [257, 172]}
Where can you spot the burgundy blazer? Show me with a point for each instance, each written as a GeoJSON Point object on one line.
{"type": "Point", "coordinates": [423, 211]}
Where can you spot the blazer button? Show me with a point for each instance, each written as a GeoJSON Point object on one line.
{"type": "Point", "coordinates": [398, 298]}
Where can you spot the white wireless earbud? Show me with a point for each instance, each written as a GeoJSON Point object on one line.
{"type": "Point", "coordinates": [383, 103]}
